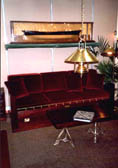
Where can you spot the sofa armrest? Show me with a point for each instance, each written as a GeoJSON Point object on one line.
{"type": "Point", "coordinates": [109, 87]}
{"type": "Point", "coordinates": [14, 114]}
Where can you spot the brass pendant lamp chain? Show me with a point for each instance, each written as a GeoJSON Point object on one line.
{"type": "Point", "coordinates": [82, 56]}
{"type": "Point", "coordinates": [82, 24]}
{"type": "Point", "coordinates": [82, 39]}
{"type": "Point", "coordinates": [82, 15]}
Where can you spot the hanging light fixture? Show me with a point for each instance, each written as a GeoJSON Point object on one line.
{"type": "Point", "coordinates": [82, 56]}
{"type": "Point", "coordinates": [109, 52]}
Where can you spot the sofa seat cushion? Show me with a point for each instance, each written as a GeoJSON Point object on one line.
{"type": "Point", "coordinates": [17, 88]}
{"type": "Point", "coordinates": [94, 95]}
{"type": "Point", "coordinates": [32, 100]}
{"type": "Point", "coordinates": [62, 96]}
{"type": "Point", "coordinates": [74, 82]}
{"type": "Point", "coordinates": [54, 81]}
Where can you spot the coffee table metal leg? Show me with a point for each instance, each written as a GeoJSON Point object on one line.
{"type": "Point", "coordinates": [67, 137]}
{"type": "Point", "coordinates": [95, 131]}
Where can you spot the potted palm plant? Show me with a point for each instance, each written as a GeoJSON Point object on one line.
{"type": "Point", "coordinates": [107, 67]}
{"type": "Point", "coordinates": [110, 71]}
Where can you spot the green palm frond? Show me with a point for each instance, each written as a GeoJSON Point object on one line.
{"type": "Point", "coordinates": [103, 43]}
{"type": "Point", "coordinates": [106, 68]}
{"type": "Point", "coordinates": [116, 73]}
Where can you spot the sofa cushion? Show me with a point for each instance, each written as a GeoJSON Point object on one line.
{"type": "Point", "coordinates": [17, 88]}
{"type": "Point", "coordinates": [74, 82]}
{"type": "Point", "coordinates": [32, 100]}
{"type": "Point", "coordinates": [33, 83]}
{"type": "Point", "coordinates": [53, 81]}
{"type": "Point", "coordinates": [94, 80]}
{"type": "Point", "coordinates": [94, 95]}
{"type": "Point", "coordinates": [62, 96]}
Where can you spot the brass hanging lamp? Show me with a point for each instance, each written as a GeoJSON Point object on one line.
{"type": "Point", "coordinates": [82, 56]}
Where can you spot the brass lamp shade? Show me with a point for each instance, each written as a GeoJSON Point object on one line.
{"type": "Point", "coordinates": [82, 55]}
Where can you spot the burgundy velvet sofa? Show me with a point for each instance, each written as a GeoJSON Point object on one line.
{"type": "Point", "coordinates": [51, 90]}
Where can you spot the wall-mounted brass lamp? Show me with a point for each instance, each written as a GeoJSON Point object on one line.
{"type": "Point", "coordinates": [109, 52]}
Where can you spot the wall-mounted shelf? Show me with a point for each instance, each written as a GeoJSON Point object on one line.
{"type": "Point", "coordinates": [49, 40]}
{"type": "Point", "coordinates": [50, 45]}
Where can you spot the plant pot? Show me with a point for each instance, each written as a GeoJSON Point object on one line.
{"type": "Point", "coordinates": [110, 87]}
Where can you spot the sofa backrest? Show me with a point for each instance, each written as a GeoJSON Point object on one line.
{"type": "Point", "coordinates": [54, 81]}
{"type": "Point", "coordinates": [74, 81]}
{"type": "Point", "coordinates": [32, 82]}
{"type": "Point", "coordinates": [24, 84]}
{"type": "Point", "coordinates": [94, 80]}
{"type": "Point", "coordinates": [90, 80]}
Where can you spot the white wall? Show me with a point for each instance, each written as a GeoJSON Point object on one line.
{"type": "Point", "coordinates": [42, 60]}
{"type": "Point", "coordinates": [117, 19]}
{"type": "Point", "coordinates": [105, 18]}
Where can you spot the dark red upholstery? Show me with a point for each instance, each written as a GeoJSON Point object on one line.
{"type": "Point", "coordinates": [54, 81]}
{"type": "Point", "coordinates": [17, 88]}
{"type": "Point", "coordinates": [34, 83]}
{"type": "Point", "coordinates": [74, 82]}
{"type": "Point", "coordinates": [32, 100]}
{"type": "Point", "coordinates": [62, 96]}
{"type": "Point", "coordinates": [94, 80]}
{"type": "Point", "coordinates": [30, 91]}
{"type": "Point", "coordinates": [94, 95]}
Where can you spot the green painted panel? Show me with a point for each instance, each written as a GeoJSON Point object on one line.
{"type": "Point", "coordinates": [51, 45]}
